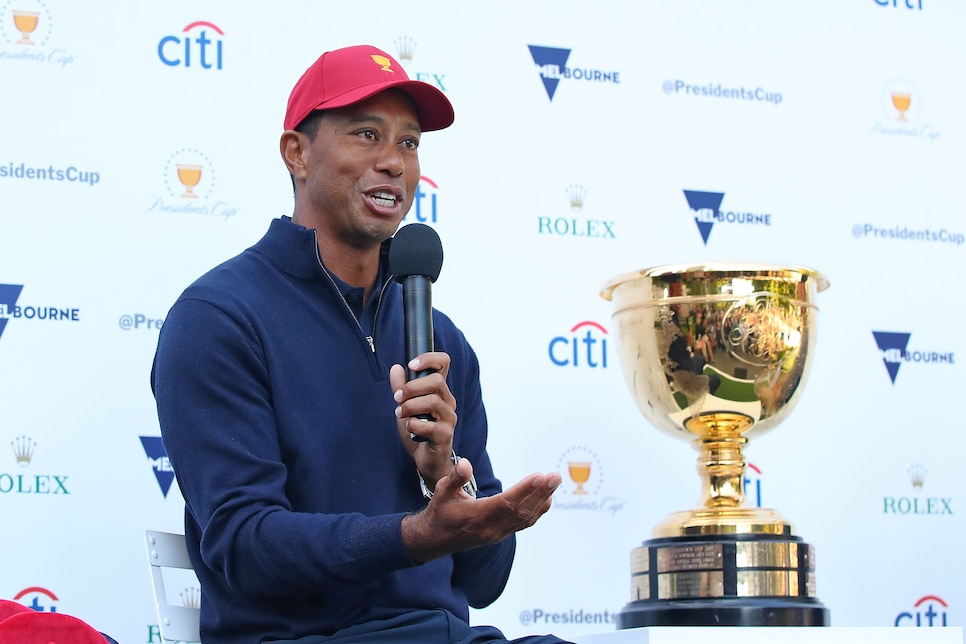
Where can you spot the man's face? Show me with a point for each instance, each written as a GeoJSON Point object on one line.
{"type": "Point", "coordinates": [362, 169]}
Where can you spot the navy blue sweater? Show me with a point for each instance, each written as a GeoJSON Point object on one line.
{"type": "Point", "coordinates": [278, 419]}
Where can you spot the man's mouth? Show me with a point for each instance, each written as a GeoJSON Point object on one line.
{"type": "Point", "coordinates": [384, 199]}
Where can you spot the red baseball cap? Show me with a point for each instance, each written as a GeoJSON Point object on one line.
{"type": "Point", "coordinates": [346, 76]}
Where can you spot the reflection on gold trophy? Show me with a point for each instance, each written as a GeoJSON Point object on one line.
{"type": "Point", "coordinates": [716, 354]}
{"type": "Point", "coordinates": [901, 101]}
{"type": "Point", "coordinates": [26, 23]}
{"type": "Point", "coordinates": [579, 474]}
{"type": "Point", "coordinates": [189, 176]}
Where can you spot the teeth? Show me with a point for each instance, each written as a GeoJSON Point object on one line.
{"type": "Point", "coordinates": [385, 199]}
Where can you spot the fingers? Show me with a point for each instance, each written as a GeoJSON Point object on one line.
{"type": "Point", "coordinates": [530, 499]}
{"type": "Point", "coordinates": [426, 406]}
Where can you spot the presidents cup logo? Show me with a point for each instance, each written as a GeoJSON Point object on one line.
{"type": "Point", "coordinates": [405, 50]}
{"type": "Point", "coordinates": [894, 351]}
{"type": "Point", "coordinates": [706, 207]}
{"type": "Point", "coordinates": [929, 610]}
{"type": "Point", "coordinates": [902, 113]}
{"type": "Point", "coordinates": [24, 448]}
{"type": "Point", "coordinates": [551, 64]}
{"type": "Point", "coordinates": [583, 478]}
{"type": "Point", "coordinates": [158, 458]}
{"type": "Point", "coordinates": [190, 187]}
{"type": "Point", "coordinates": [25, 33]}
{"type": "Point", "coordinates": [916, 503]}
{"type": "Point", "coordinates": [573, 224]}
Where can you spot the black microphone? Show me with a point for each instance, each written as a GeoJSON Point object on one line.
{"type": "Point", "coordinates": [415, 259]}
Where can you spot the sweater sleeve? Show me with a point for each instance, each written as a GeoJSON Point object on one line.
{"type": "Point", "coordinates": [218, 426]}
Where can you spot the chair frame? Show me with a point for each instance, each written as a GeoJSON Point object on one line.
{"type": "Point", "coordinates": [168, 550]}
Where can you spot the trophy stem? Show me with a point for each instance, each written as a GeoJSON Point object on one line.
{"type": "Point", "coordinates": [721, 463]}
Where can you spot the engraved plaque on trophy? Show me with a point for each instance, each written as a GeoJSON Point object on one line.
{"type": "Point", "coordinates": [716, 354]}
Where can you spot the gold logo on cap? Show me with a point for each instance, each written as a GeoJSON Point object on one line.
{"type": "Point", "coordinates": [383, 62]}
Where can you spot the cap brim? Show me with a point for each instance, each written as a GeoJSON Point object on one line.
{"type": "Point", "coordinates": [435, 110]}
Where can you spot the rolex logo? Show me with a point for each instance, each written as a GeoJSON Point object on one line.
{"type": "Point", "coordinates": [190, 597]}
{"type": "Point", "coordinates": [576, 195]}
{"type": "Point", "coordinates": [23, 450]}
{"type": "Point", "coordinates": [405, 48]}
{"type": "Point", "coordinates": [917, 474]}
{"type": "Point", "coordinates": [383, 62]}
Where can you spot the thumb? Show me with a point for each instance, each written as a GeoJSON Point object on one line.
{"type": "Point", "coordinates": [457, 477]}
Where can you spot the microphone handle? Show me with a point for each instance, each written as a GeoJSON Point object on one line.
{"type": "Point", "coordinates": [418, 323]}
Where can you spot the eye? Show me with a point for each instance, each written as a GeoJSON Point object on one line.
{"type": "Point", "coordinates": [367, 134]}
{"type": "Point", "coordinates": [410, 143]}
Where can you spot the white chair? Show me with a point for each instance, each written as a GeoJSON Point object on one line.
{"type": "Point", "coordinates": [177, 623]}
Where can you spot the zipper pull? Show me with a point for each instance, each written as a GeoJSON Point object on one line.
{"type": "Point", "coordinates": [372, 345]}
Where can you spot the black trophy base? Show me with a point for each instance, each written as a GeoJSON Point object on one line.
{"type": "Point", "coordinates": [723, 612]}
{"type": "Point", "coordinates": [723, 580]}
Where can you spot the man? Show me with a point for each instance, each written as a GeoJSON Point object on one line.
{"type": "Point", "coordinates": [311, 513]}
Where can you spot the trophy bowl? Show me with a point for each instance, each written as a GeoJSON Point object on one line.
{"type": "Point", "coordinates": [715, 354]}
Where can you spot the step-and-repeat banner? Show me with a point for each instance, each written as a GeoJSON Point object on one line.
{"type": "Point", "coordinates": [139, 147]}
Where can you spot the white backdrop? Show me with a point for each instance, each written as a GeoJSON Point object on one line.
{"type": "Point", "coordinates": [550, 182]}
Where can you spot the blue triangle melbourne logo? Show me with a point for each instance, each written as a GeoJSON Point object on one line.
{"type": "Point", "coordinates": [552, 63]}
{"type": "Point", "coordinates": [706, 206]}
{"type": "Point", "coordinates": [893, 347]}
{"type": "Point", "coordinates": [9, 294]}
{"type": "Point", "coordinates": [158, 458]}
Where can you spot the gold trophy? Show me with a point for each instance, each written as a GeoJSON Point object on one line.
{"type": "Point", "coordinates": [717, 353]}
{"type": "Point", "coordinates": [189, 176]}
{"type": "Point", "coordinates": [25, 22]}
{"type": "Point", "coordinates": [901, 101]}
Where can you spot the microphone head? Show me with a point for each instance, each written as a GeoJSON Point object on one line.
{"type": "Point", "coordinates": [415, 250]}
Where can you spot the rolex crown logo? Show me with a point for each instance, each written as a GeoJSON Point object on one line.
{"type": "Point", "coordinates": [383, 62]}
{"type": "Point", "coordinates": [191, 597]}
{"type": "Point", "coordinates": [405, 48]}
{"type": "Point", "coordinates": [23, 450]}
{"type": "Point", "coordinates": [917, 474]}
{"type": "Point", "coordinates": [576, 195]}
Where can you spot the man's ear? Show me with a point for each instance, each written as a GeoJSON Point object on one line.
{"type": "Point", "coordinates": [294, 148]}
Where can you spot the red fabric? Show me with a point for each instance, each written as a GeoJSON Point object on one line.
{"type": "Point", "coordinates": [33, 627]}
{"type": "Point", "coordinates": [8, 608]}
{"type": "Point", "coordinates": [347, 76]}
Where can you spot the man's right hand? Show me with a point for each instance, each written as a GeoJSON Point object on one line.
{"type": "Point", "coordinates": [454, 522]}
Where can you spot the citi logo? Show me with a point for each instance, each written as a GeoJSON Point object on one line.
{"type": "Point", "coordinates": [424, 208]}
{"type": "Point", "coordinates": [893, 347]}
{"type": "Point", "coordinates": [585, 346]}
{"type": "Point", "coordinates": [707, 212]}
{"type": "Point", "coordinates": [551, 63]}
{"type": "Point", "coordinates": [158, 458]}
{"type": "Point", "coordinates": [40, 599]}
{"type": "Point", "coordinates": [752, 483]}
{"type": "Point", "coordinates": [203, 50]}
{"type": "Point", "coordinates": [915, 5]}
{"type": "Point", "coordinates": [928, 611]}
